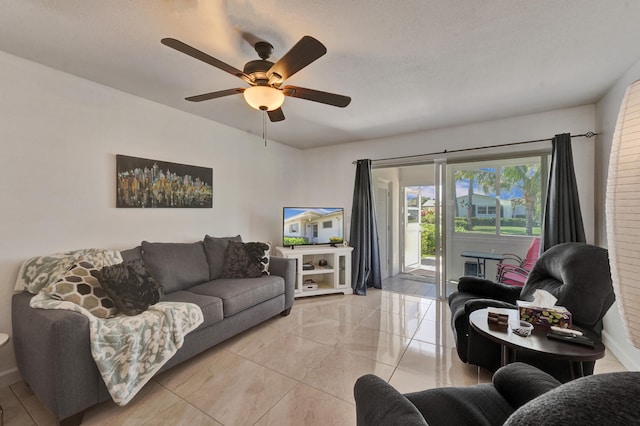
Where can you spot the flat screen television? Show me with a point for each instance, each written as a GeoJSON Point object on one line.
{"type": "Point", "coordinates": [303, 226]}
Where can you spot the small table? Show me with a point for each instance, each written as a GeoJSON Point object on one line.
{"type": "Point", "coordinates": [481, 259]}
{"type": "Point", "coordinates": [537, 343]}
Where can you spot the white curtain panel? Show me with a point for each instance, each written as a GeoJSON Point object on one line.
{"type": "Point", "coordinates": [623, 212]}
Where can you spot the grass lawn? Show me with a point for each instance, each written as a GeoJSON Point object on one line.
{"type": "Point", "coordinates": [504, 230]}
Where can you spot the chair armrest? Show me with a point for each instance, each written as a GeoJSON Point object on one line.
{"type": "Point", "coordinates": [519, 383]}
{"type": "Point", "coordinates": [488, 289]}
{"type": "Point", "coordinates": [516, 270]}
{"type": "Point", "coordinates": [475, 304]}
{"type": "Point", "coordinates": [380, 404]}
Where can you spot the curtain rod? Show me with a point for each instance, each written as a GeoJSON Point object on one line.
{"type": "Point", "coordinates": [583, 135]}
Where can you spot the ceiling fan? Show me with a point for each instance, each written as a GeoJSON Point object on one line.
{"type": "Point", "coordinates": [265, 77]}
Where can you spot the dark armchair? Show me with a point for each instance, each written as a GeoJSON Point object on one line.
{"type": "Point", "coordinates": [577, 274]}
{"type": "Point", "coordinates": [519, 395]}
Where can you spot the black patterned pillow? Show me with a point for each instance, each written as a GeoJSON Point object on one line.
{"type": "Point", "coordinates": [130, 285]}
{"type": "Point", "coordinates": [79, 286]}
{"type": "Point", "coordinates": [246, 260]}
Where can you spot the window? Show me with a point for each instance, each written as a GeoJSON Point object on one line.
{"type": "Point", "coordinates": [327, 224]}
{"type": "Point", "coordinates": [486, 210]}
{"type": "Point", "coordinates": [502, 197]}
{"type": "Point", "coordinates": [293, 228]}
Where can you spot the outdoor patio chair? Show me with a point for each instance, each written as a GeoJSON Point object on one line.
{"type": "Point", "coordinates": [514, 270]}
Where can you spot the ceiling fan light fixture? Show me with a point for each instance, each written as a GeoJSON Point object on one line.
{"type": "Point", "coordinates": [264, 98]}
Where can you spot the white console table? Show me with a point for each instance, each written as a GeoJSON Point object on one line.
{"type": "Point", "coordinates": [320, 269]}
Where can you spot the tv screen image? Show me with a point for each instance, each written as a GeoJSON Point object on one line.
{"type": "Point", "coordinates": [312, 225]}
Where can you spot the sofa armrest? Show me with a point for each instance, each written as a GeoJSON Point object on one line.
{"type": "Point", "coordinates": [519, 383]}
{"type": "Point", "coordinates": [53, 354]}
{"type": "Point", "coordinates": [489, 289]}
{"type": "Point", "coordinates": [285, 268]}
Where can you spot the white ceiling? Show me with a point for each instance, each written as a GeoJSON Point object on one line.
{"type": "Point", "coordinates": [408, 65]}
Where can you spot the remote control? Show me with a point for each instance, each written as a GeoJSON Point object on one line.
{"type": "Point", "coordinates": [566, 331]}
{"type": "Point", "coordinates": [571, 338]}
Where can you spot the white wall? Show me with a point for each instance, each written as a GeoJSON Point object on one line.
{"type": "Point", "coordinates": [606, 115]}
{"type": "Point", "coordinates": [337, 188]}
{"type": "Point", "coordinates": [59, 135]}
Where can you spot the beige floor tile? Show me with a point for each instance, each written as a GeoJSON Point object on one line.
{"type": "Point", "coordinates": [440, 363]}
{"type": "Point", "coordinates": [146, 405]}
{"type": "Point", "coordinates": [608, 364]}
{"type": "Point", "coordinates": [435, 332]}
{"type": "Point", "coordinates": [253, 340]}
{"type": "Point", "coordinates": [406, 305]}
{"type": "Point", "coordinates": [14, 412]}
{"type": "Point", "coordinates": [343, 312]}
{"type": "Point", "coordinates": [326, 332]}
{"type": "Point", "coordinates": [182, 413]}
{"type": "Point", "coordinates": [439, 312]}
{"type": "Point", "coordinates": [409, 381]}
{"type": "Point", "coordinates": [372, 300]}
{"type": "Point", "coordinates": [307, 406]}
{"type": "Point", "coordinates": [36, 409]}
{"type": "Point", "coordinates": [392, 323]}
{"type": "Point", "coordinates": [375, 344]}
{"type": "Point", "coordinates": [242, 395]}
{"type": "Point", "coordinates": [288, 323]}
{"type": "Point", "coordinates": [338, 372]}
{"type": "Point", "coordinates": [291, 355]}
{"type": "Point", "coordinates": [189, 377]}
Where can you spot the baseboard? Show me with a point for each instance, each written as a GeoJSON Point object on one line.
{"type": "Point", "coordinates": [9, 377]}
{"type": "Point", "coordinates": [629, 361]}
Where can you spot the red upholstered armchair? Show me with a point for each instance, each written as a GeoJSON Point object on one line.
{"type": "Point", "coordinates": [514, 270]}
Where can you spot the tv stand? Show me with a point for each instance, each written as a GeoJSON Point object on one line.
{"type": "Point", "coordinates": [331, 271]}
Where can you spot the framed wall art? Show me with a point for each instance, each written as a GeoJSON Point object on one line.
{"type": "Point", "coordinates": [145, 183]}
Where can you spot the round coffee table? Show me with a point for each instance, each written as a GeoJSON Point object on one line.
{"type": "Point", "coordinates": [538, 343]}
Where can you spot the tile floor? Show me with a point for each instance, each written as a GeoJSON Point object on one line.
{"type": "Point", "coordinates": [295, 370]}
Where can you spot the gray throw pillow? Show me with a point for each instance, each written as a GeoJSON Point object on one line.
{"type": "Point", "coordinates": [176, 266]}
{"type": "Point", "coordinates": [129, 285]}
{"type": "Point", "coordinates": [215, 249]}
{"type": "Point", "coordinates": [246, 260]}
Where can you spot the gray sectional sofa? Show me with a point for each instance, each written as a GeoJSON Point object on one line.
{"type": "Point", "coordinates": [52, 347]}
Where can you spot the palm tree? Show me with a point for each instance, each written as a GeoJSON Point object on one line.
{"type": "Point", "coordinates": [484, 178]}
{"type": "Point", "coordinates": [526, 178]}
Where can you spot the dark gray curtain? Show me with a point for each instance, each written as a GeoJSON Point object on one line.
{"type": "Point", "coordinates": [365, 258]}
{"type": "Point", "coordinates": [562, 222]}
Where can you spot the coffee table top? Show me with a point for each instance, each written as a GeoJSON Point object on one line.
{"type": "Point", "coordinates": [538, 342]}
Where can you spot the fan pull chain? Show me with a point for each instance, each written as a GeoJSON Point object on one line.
{"type": "Point", "coordinates": [264, 126]}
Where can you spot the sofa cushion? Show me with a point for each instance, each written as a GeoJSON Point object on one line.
{"type": "Point", "coordinates": [130, 286]}
{"type": "Point", "coordinates": [131, 254]}
{"type": "Point", "coordinates": [78, 286]}
{"type": "Point", "coordinates": [215, 249]}
{"type": "Point", "coordinates": [211, 306]}
{"type": "Point", "coordinates": [246, 260]}
{"type": "Point", "coordinates": [176, 266]}
{"type": "Point", "coordinates": [238, 294]}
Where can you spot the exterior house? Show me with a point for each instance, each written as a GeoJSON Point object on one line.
{"type": "Point", "coordinates": [485, 206]}
{"type": "Point", "coordinates": [316, 226]}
